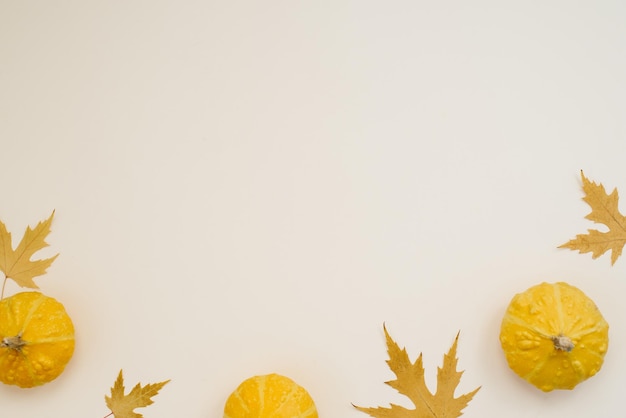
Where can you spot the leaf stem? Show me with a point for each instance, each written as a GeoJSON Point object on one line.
{"type": "Point", "coordinates": [4, 283]}
{"type": "Point", "coordinates": [108, 415]}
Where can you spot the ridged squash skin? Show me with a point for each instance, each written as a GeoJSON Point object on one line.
{"type": "Point", "coordinates": [554, 336]}
{"type": "Point", "coordinates": [36, 339]}
{"type": "Point", "coordinates": [270, 396]}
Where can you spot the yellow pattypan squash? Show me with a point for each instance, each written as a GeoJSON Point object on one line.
{"type": "Point", "coordinates": [270, 396]}
{"type": "Point", "coordinates": [554, 336]}
{"type": "Point", "coordinates": [36, 339]}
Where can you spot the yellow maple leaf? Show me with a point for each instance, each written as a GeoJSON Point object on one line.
{"type": "Point", "coordinates": [16, 264]}
{"type": "Point", "coordinates": [122, 406]}
{"type": "Point", "coordinates": [410, 382]}
{"type": "Point", "coordinates": [604, 210]}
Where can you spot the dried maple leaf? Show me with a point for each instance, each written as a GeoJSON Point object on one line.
{"type": "Point", "coordinates": [122, 406]}
{"type": "Point", "coordinates": [604, 210]}
{"type": "Point", "coordinates": [16, 264]}
{"type": "Point", "coordinates": [410, 382]}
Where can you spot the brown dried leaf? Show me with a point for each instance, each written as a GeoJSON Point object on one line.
{"type": "Point", "coordinates": [410, 382]}
{"type": "Point", "coordinates": [604, 210]}
{"type": "Point", "coordinates": [16, 264]}
{"type": "Point", "coordinates": [122, 406]}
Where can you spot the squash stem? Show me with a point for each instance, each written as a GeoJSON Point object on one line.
{"type": "Point", "coordinates": [563, 343]}
{"type": "Point", "coordinates": [14, 343]}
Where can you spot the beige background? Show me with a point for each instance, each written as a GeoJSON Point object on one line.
{"type": "Point", "coordinates": [253, 187]}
